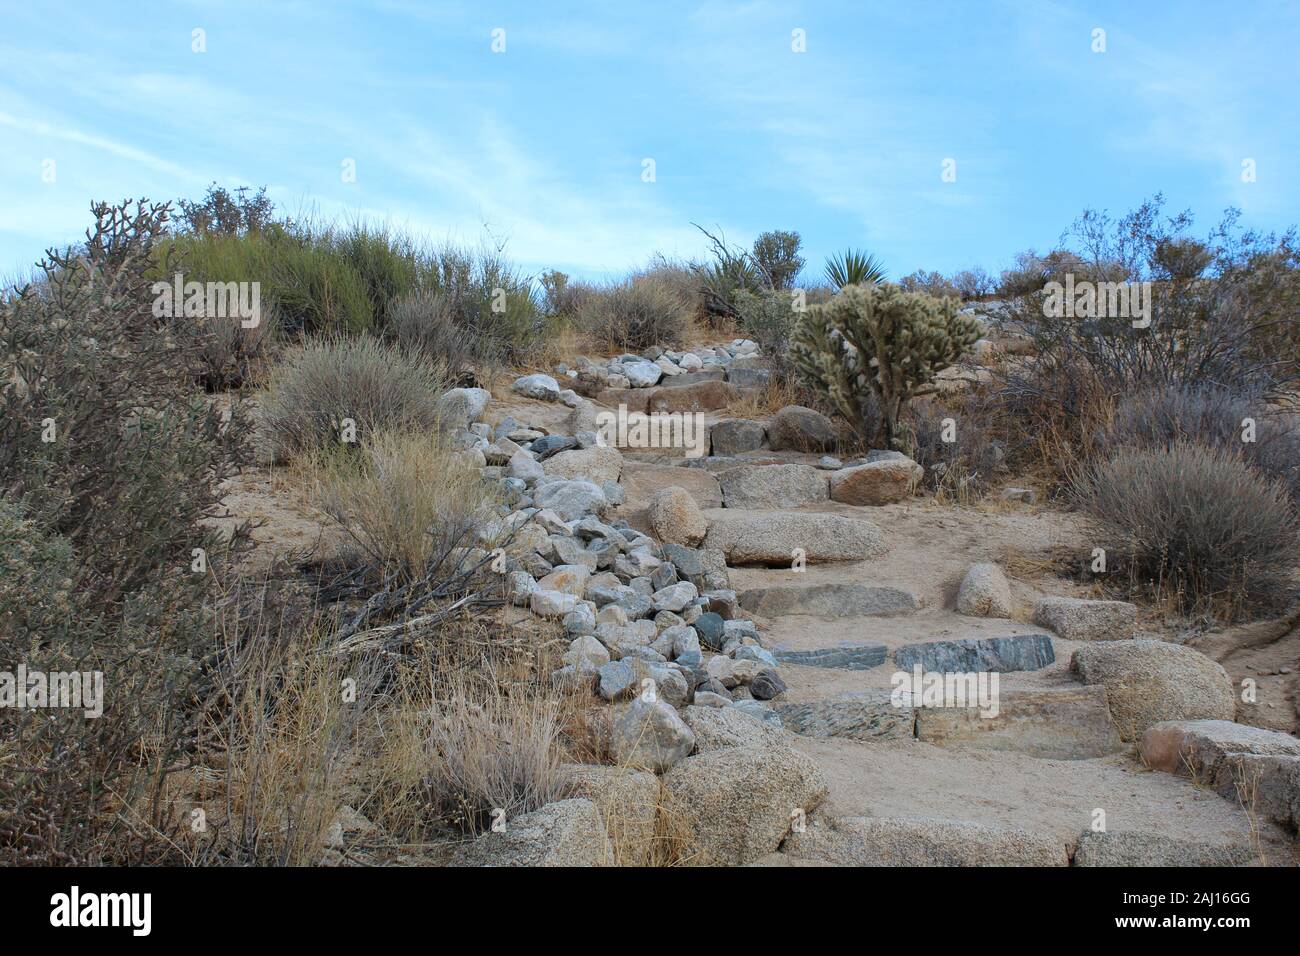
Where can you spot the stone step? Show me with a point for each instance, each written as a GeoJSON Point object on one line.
{"type": "Point", "coordinates": [866, 716]}
{"type": "Point", "coordinates": [887, 841]}
{"type": "Point", "coordinates": [1144, 848]}
{"type": "Point", "coordinates": [1020, 652]}
{"type": "Point", "coordinates": [1068, 724]}
{"type": "Point", "coordinates": [845, 656]}
{"type": "Point", "coordinates": [778, 538]}
{"type": "Point", "coordinates": [1256, 767]}
{"type": "Point", "coordinates": [829, 600]}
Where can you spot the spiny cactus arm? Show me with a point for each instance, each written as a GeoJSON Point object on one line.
{"type": "Point", "coordinates": [819, 359]}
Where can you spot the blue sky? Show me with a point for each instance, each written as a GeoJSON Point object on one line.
{"type": "Point", "coordinates": [543, 144]}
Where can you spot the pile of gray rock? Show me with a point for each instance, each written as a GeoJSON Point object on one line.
{"type": "Point", "coordinates": [649, 622]}
{"type": "Point", "coordinates": [738, 362]}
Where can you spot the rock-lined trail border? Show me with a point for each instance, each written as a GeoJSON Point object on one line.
{"type": "Point", "coordinates": [634, 558]}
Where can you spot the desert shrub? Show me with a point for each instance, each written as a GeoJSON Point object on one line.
{"type": "Point", "coordinates": [410, 498]}
{"type": "Point", "coordinates": [98, 416]}
{"type": "Point", "coordinates": [561, 296]}
{"type": "Point", "coordinates": [931, 283]}
{"type": "Point", "coordinates": [489, 300]}
{"type": "Point", "coordinates": [680, 278]}
{"type": "Point", "coordinates": [634, 315]}
{"type": "Point", "coordinates": [1214, 304]}
{"type": "Point", "coordinates": [967, 285]}
{"type": "Point", "coordinates": [777, 255]}
{"type": "Point", "coordinates": [310, 287]}
{"type": "Point", "coordinates": [880, 341]}
{"type": "Point", "coordinates": [110, 463]}
{"type": "Point", "coordinates": [375, 386]}
{"type": "Point", "coordinates": [854, 267]}
{"type": "Point", "coordinates": [222, 212]}
{"type": "Point", "coordinates": [390, 264]}
{"type": "Point", "coordinates": [423, 324]}
{"type": "Point", "coordinates": [769, 319]}
{"type": "Point", "coordinates": [1196, 523]}
{"type": "Point", "coordinates": [1031, 272]}
{"type": "Point", "coordinates": [328, 278]}
{"type": "Point", "coordinates": [973, 284]}
{"type": "Point", "coordinates": [231, 354]}
{"type": "Point", "coordinates": [286, 739]}
{"type": "Point", "coordinates": [955, 438]}
{"type": "Point", "coordinates": [1215, 417]}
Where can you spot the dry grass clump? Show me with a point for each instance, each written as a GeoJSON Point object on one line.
{"type": "Point", "coordinates": [283, 743]}
{"type": "Point", "coordinates": [634, 315]}
{"type": "Point", "coordinates": [334, 382]}
{"type": "Point", "coordinates": [492, 754]}
{"type": "Point", "coordinates": [406, 499]}
{"type": "Point", "coordinates": [1197, 523]}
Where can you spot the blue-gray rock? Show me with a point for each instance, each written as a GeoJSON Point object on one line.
{"type": "Point", "coordinates": [736, 435]}
{"type": "Point", "coordinates": [1021, 652]}
{"type": "Point", "coordinates": [752, 652]}
{"type": "Point", "coordinates": [614, 492]}
{"type": "Point", "coordinates": [760, 710]}
{"type": "Point", "coordinates": [705, 568]}
{"type": "Point", "coordinates": [846, 656]}
{"type": "Point", "coordinates": [571, 499]}
{"type": "Point", "coordinates": [767, 685]}
{"type": "Point", "coordinates": [664, 576]}
{"type": "Point", "coordinates": [548, 445]}
{"type": "Point", "coordinates": [710, 628]}
{"type": "Point", "coordinates": [749, 377]}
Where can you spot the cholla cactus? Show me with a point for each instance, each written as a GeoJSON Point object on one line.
{"type": "Point", "coordinates": [877, 341]}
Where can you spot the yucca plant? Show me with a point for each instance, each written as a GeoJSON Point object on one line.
{"type": "Point", "coordinates": [854, 267]}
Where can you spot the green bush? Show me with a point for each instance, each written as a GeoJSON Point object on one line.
{"type": "Point", "coordinates": [374, 386]}
{"type": "Point", "coordinates": [777, 255]}
{"type": "Point", "coordinates": [110, 464]}
{"type": "Point", "coordinates": [321, 278]}
{"type": "Point", "coordinates": [769, 319]}
{"type": "Point", "coordinates": [1196, 523]}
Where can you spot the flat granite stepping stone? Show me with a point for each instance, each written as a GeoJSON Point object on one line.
{"type": "Point", "coordinates": [1143, 848]}
{"type": "Point", "coordinates": [867, 716]}
{"type": "Point", "coordinates": [1021, 652]}
{"type": "Point", "coordinates": [829, 600]}
{"type": "Point", "coordinates": [1072, 723]}
{"type": "Point", "coordinates": [778, 537]}
{"type": "Point", "coordinates": [847, 656]}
